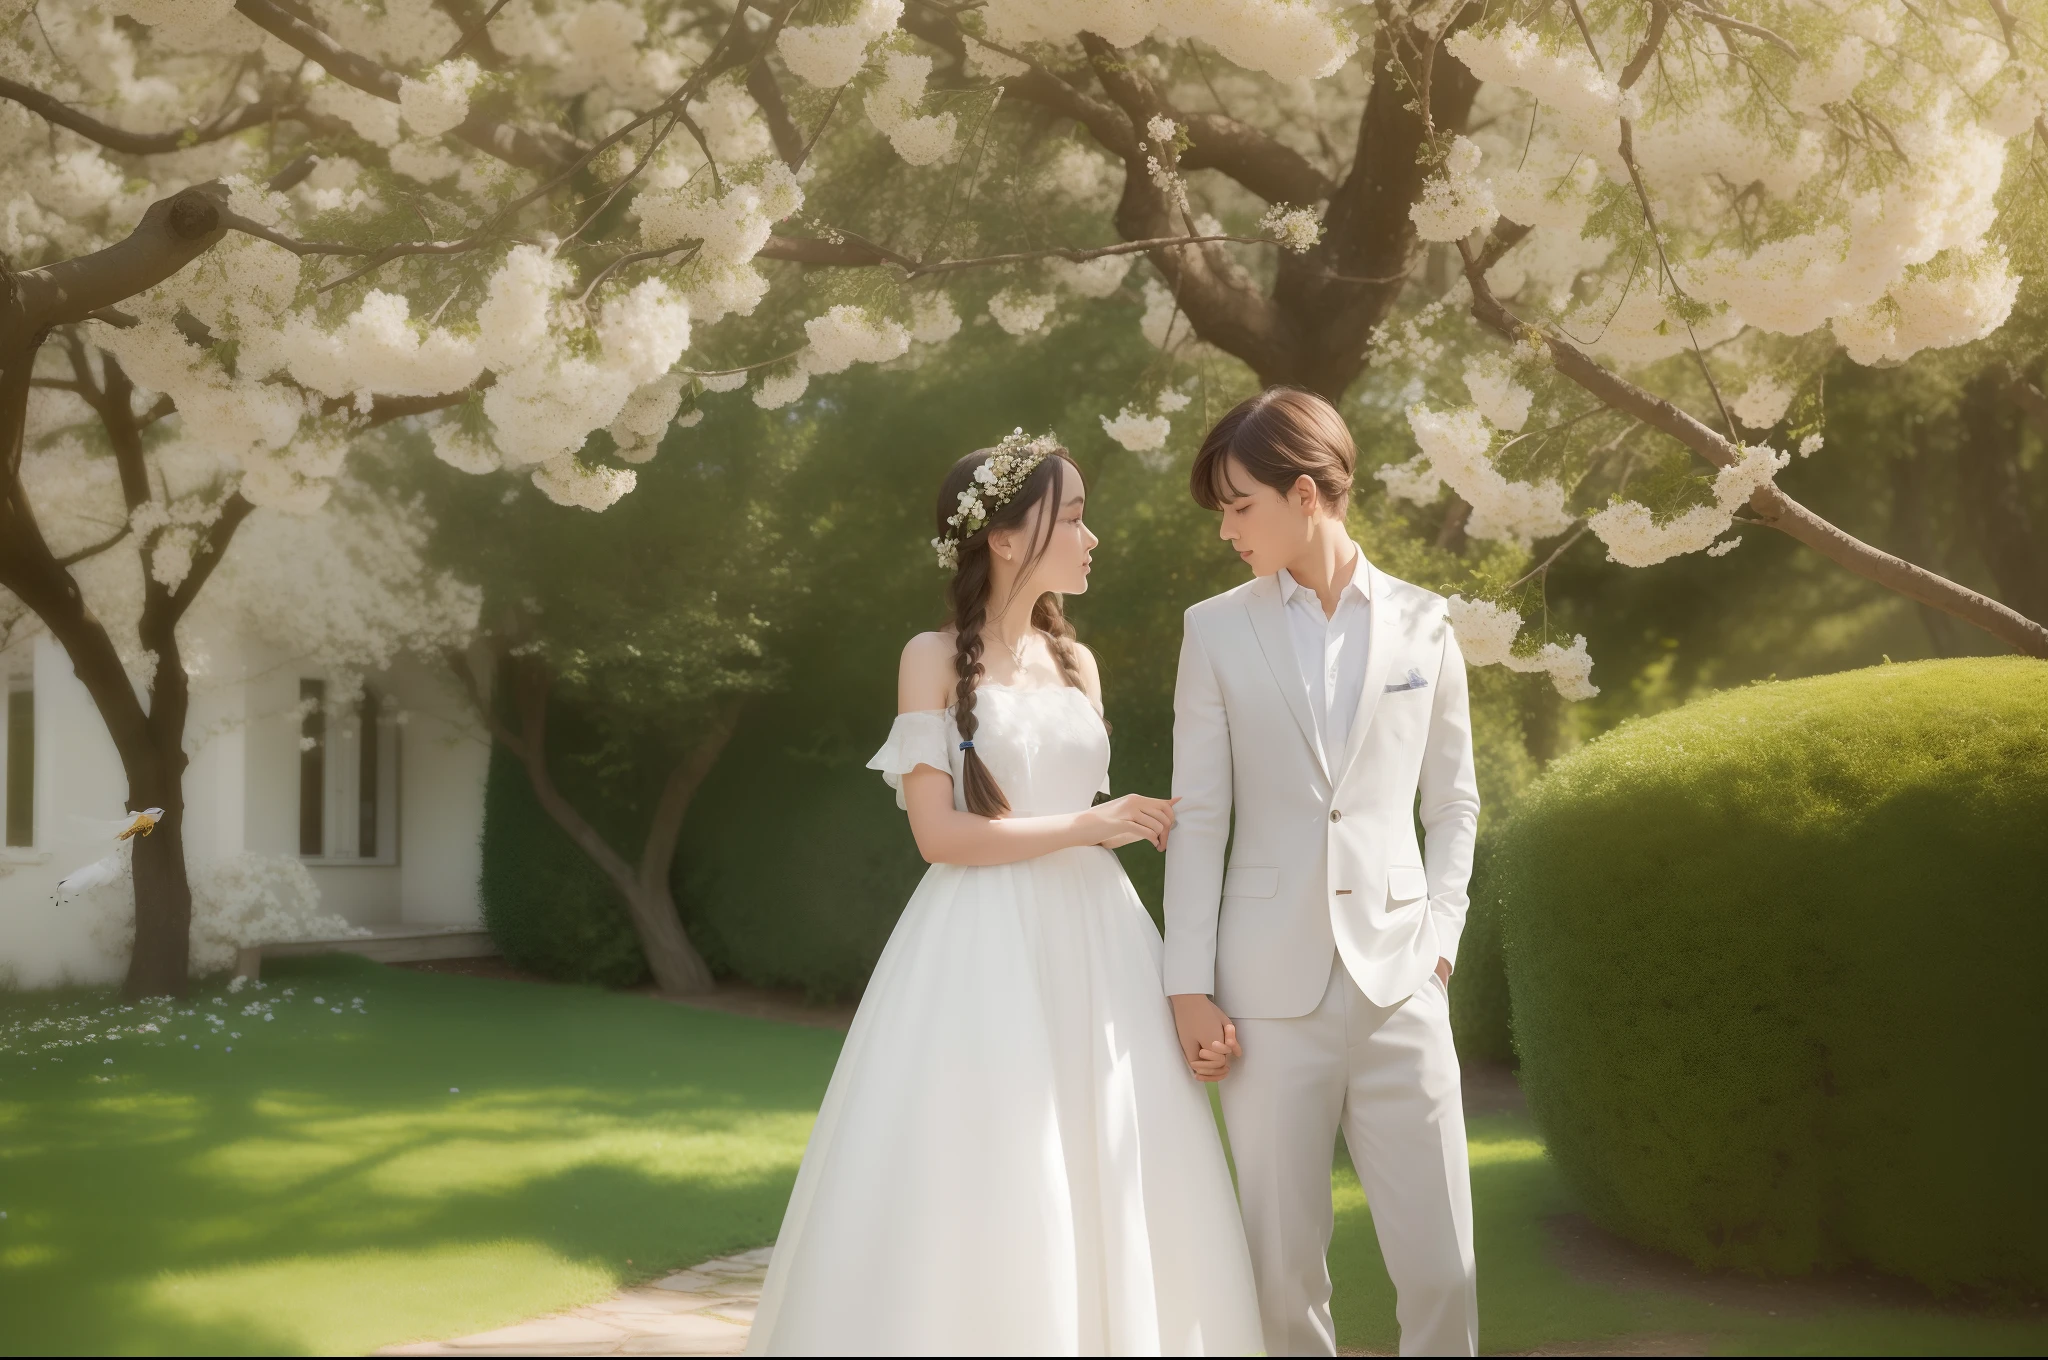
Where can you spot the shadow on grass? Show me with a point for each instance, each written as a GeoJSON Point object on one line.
{"type": "Point", "coordinates": [1531, 1300]}
{"type": "Point", "coordinates": [320, 1188]}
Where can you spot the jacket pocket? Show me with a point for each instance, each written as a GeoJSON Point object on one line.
{"type": "Point", "coordinates": [1251, 880]}
{"type": "Point", "coordinates": [1406, 882]}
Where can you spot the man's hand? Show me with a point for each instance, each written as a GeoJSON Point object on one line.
{"type": "Point", "coordinates": [1443, 972]}
{"type": "Point", "coordinates": [1208, 1040]}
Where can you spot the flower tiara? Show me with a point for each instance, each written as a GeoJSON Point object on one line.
{"type": "Point", "coordinates": [996, 483]}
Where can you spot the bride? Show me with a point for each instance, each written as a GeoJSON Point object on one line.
{"type": "Point", "coordinates": [1013, 1155]}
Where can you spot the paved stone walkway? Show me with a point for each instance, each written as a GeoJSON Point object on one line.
{"type": "Point", "coordinates": [705, 1310]}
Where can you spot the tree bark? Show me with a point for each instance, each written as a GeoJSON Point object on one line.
{"type": "Point", "coordinates": [643, 886]}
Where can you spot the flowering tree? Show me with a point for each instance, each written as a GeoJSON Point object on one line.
{"type": "Point", "coordinates": [548, 228]}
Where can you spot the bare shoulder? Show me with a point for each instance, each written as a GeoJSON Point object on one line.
{"type": "Point", "coordinates": [925, 676]}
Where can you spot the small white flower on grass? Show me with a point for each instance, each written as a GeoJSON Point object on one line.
{"type": "Point", "coordinates": [455, 1090]}
{"type": "Point", "coordinates": [109, 1062]}
{"type": "Point", "coordinates": [319, 1000]}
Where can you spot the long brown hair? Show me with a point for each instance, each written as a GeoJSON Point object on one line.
{"type": "Point", "coordinates": [967, 596]}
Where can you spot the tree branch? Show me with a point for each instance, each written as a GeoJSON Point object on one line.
{"type": "Point", "coordinates": [129, 143]}
{"type": "Point", "coordinates": [1771, 505]}
{"type": "Point", "coordinates": [789, 141]}
{"type": "Point", "coordinates": [508, 143]}
{"type": "Point", "coordinates": [172, 233]}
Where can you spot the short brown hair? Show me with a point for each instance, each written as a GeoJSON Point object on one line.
{"type": "Point", "coordinates": [1277, 437]}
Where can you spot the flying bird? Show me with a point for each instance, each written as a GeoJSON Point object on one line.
{"type": "Point", "coordinates": [111, 868]}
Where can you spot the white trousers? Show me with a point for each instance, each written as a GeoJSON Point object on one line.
{"type": "Point", "coordinates": [1388, 1077]}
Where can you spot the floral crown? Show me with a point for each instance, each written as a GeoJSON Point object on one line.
{"type": "Point", "coordinates": [996, 483]}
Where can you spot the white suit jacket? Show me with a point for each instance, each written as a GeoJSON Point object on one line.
{"type": "Point", "coordinates": [1321, 858]}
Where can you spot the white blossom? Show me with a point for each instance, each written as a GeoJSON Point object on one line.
{"type": "Point", "coordinates": [932, 319]}
{"type": "Point", "coordinates": [569, 480]}
{"type": "Point", "coordinates": [1456, 202]}
{"type": "Point", "coordinates": [1762, 404]}
{"type": "Point", "coordinates": [830, 55]}
{"type": "Point", "coordinates": [1096, 278]}
{"type": "Point", "coordinates": [438, 102]}
{"type": "Point", "coordinates": [893, 106]}
{"type": "Point", "coordinates": [1136, 431]}
{"type": "Point", "coordinates": [781, 389]}
{"type": "Point", "coordinates": [1486, 634]}
{"type": "Point", "coordinates": [1020, 312]}
{"type": "Point", "coordinates": [1491, 383]}
{"type": "Point", "coordinates": [1296, 229]}
{"type": "Point", "coordinates": [1636, 538]}
{"type": "Point", "coordinates": [1457, 444]}
{"type": "Point", "coordinates": [848, 335]}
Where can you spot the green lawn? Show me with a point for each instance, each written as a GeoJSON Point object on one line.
{"type": "Point", "coordinates": [452, 1154]}
{"type": "Point", "coordinates": [1527, 1301]}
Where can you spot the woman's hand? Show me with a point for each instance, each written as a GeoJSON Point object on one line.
{"type": "Point", "coordinates": [1130, 819]}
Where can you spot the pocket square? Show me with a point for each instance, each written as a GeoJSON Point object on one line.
{"type": "Point", "coordinates": [1414, 681]}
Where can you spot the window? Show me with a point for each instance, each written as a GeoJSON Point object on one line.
{"type": "Point", "coordinates": [21, 763]}
{"type": "Point", "coordinates": [368, 786]}
{"type": "Point", "coordinates": [313, 768]}
{"type": "Point", "coordinates": [348, 777]}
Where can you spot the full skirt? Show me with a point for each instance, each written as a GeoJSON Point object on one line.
{"type": "Point", "coordinates": [1012, 1157]}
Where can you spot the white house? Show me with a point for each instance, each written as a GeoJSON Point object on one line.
{"type": "Point", "coordinates": [382, 800]}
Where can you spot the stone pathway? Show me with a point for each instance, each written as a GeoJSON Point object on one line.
{"type": "Point", "coordinates": [705, 1310]}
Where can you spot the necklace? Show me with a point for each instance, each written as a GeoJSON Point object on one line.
{"type": "Point", "coordinates": [1017, 649]}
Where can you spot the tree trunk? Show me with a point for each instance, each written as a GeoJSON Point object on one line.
{"type": "Point", "coordinates": [162, 957]}
{"type": "Point", "coordinates": [678, 968]}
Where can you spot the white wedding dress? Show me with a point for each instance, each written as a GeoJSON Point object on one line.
{"type": "Point", "coordinates": [1012, 1157]}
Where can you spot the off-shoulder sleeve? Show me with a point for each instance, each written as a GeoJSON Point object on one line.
{"type": "Point", "coordinates": [915, 739]}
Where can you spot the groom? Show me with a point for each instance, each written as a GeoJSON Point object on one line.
{"type": "Point", "coordinates": [1315, 702]}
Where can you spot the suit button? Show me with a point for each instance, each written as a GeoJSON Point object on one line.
{"type": "Point", "coordinates": [1336, 816]}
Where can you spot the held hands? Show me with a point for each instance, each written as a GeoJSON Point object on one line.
{"type": "Point", "coordinates": [1132, 818]}
{"type": "Point", "coordinates": [1208, 1040]}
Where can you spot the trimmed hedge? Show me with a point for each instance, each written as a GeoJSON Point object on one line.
{"type": "Point", "coordinates": [1776, 962]}
{"type": "Point", "coordinates": [792, 872]}
{"type": "Point", "coordinates": [548, 908]}
{"type": "Point", "coordinates": [1479, 993]}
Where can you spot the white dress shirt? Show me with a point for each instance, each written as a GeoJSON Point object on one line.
{"type": "Point", "coordinates": [1330, 649]}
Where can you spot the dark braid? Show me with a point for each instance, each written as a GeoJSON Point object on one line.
{"type": "Point", "coordinates": [967, 600]}
{"type": "Point", "coordinates": [968, 596]}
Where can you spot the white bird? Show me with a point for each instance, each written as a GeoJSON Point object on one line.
{"type": "Point", "coordinates": [110, 868]}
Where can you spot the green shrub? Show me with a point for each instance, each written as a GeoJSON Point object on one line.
{"type": "Point", "coordinates": [792, 872]}
{"type": "Point", "coordinates": [1776, 965]}
{"type": "Point", "coordinates": [1479, 994]}
{"type": "Point", "coordinates": [546, 905]}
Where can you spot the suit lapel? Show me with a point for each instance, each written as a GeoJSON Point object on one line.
{"type": "Point", "coordinates": [1269, 623]}
{"type": "Point", "coordinates": [1379, 659]}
